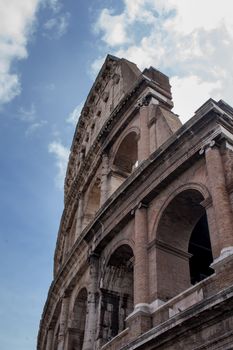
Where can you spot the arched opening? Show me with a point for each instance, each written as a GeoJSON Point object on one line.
{"type": "Point", "coordinates": [93, 203]}
{"type": "Point", "coordinates": [127, 154]}
{"type": "Point", "coordinates": [125, 160]}
{"type": "Point", "coordinates": [116, 293]}
{"type": "Point", "coordinates": [183, 249]}
{"type": "Point", "coordinates": [200, 249]}
{"type": "Point", "coordinates": [78, 321]}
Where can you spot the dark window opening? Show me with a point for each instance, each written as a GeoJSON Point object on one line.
{"type": "Point", "coordinates": [200, 248]}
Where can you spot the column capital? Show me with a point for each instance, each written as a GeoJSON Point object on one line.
{"type": "Point", "coordinates": [139, 205]}
{"type": "Point", "coordinates": [92, 256]}
{"type": "Point", "coordinates": [142, 205]}
{"type": "Point", "coordinates": [207, 146]}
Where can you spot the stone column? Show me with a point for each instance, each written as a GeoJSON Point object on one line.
{"type": "Point", "coordinates": [79, 218]}
{"type": "Point", "coordinates": [104, 179]}
{"type": "Point", "coordinates": [144, 140]}
{"type": "Point", "coordinates": [49, 341]}
{"type": "Point", "coordinates": [63, 322]}
{"type": "Point", "coordinates": [141, 278]}
{"type": "Point", "coordinates": [139, 321]}
{"type": "Point", "coordinates": [220, 198]}
{"type": "Point", "coordinates": [91, 319]}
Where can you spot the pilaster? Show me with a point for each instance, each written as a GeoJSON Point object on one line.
{"type": "Point", "coordinates": [144, 139]}
{"type": "Point", "coordinates": [91, 319]}
{"type": "Point", "coordinates": [63, 321]}
{"type": "Point", "coordinates": [141, 280]}
{"type": "Point", "coordinates": [139, 320]}
{"type": "Point", "coordinates": [104, 179]}
{"type": "Point", "coordinates": [49, 341]}
{"type": "Point", "coordinates": [79, 217]}
{"type": "Point", "coordinates": [221, 201]}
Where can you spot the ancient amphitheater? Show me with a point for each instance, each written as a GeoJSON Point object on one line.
{"type": "Point", "coordinates": [144, 252]}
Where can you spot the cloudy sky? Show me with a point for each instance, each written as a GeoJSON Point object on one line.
{"type": "Point", "coordinates": [50, 52]}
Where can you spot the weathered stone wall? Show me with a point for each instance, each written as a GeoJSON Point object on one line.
{"type": "Point", "coordinates": [138, 184]}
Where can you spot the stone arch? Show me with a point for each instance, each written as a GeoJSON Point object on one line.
{"type": "Point", "coordinates": [123, 158]}
{"type": "Point", "coordinates": [175, 238]}
{"type": "Point", "coordinates": [114, 247]}
{"type": "Point", "coordinates": [116, 292]}
{"type": "Point", "coordinates": [189, 186]}
{"type": "Point", "coordinates": [92, 203]}
{"type": "Point", "coordinates": [126, 153]}
{"type": "Point", "coordinates": [132, 129]}
{"type": "Point", "coordinates": [78, 321]}
{"type": "Point", "coordinates": [75, 293]}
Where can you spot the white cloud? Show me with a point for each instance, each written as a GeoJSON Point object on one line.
{"type": "Point", "coordinates": [35, 126]}
{"type": "Point", "coordinates": [16, 24]}
{"type": "Point", "coordinates": [192, 41]}
{"type": "Point", "coordinates": [207, 14]}
{"type": "Point", "coordinates": [61, 154]}
{"type": "Point", "coordinates": [27, 114]}
{"type": "Point", "coordinates": [113, 28]}
{"type": "Point", "coordinates": [75, 114]}
{"type": "Point", "coordinates": [56, 27]}
{"type": "Point", "coordinates": [29, 117]}
{"type": "Point", "coordinates": [189, 93]}
{"type": "Point", "coordinates": [55, 5]}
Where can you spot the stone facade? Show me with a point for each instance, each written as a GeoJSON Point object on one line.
{"type": "Point", "coordinates": [144, 254]}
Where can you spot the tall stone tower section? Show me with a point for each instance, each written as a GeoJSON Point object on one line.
{"type": "Point", "coordinates": [144, 252]}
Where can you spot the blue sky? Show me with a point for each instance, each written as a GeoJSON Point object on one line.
{"type": "Point", "coordinates": [50, 52]}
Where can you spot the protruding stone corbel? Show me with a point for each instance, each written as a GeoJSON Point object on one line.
{"type": "Point", "coordinates": [146, 101]}
{"type": "Point", "coordinates": [143, 101]}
